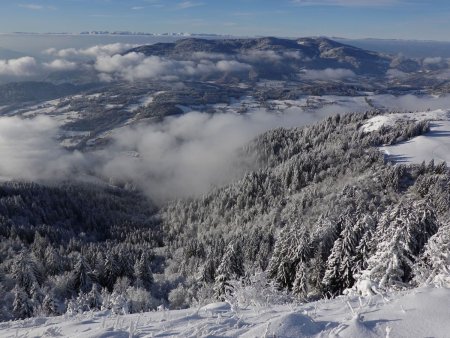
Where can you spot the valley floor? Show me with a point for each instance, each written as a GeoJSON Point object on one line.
{"type": "Point", "coordinates": [422, 312]}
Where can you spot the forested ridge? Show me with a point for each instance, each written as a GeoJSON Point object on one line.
{"type": "Point", "coordinates": [325, 210]}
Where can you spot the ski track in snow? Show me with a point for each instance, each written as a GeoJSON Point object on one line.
{"type": "Point", "coordinates": [422, 312]}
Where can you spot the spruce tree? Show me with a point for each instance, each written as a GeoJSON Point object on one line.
{"type": "Point", "coordinates": [22, 305]}
{"type": "Point", "coordinates": [49, 305]}
{"type": "Point", "coordinates": [143, 273]}
{"type": "Point", "coordinates": [402, 234]}
{"type": "Point", "coordinates": [434, 264]}
{"type": "Point", "coordinates": [82, 275]}
{"type": "Point", "coordinates": [231, 267]}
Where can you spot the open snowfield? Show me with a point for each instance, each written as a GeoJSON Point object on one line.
{"type": "Point", "coordinates": [423, 312]}
{"type": "Point", "coordinates": [433, 145]}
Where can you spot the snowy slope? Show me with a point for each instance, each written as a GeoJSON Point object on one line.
{"type": "Point", "coordinates": [423, 312]}
{"type": "Point", "coordinates": [432, 145]}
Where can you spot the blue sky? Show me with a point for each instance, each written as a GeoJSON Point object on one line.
{"type": "Point", "coordinates": [411, 19]}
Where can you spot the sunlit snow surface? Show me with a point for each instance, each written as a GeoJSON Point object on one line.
{"type": "Point", "coordinates": [433, 145]}
{"type": "Point", "coordinates": [423, 312]}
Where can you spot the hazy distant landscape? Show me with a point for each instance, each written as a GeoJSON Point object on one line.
{"type": "Point", "coordinates": [34, 44]}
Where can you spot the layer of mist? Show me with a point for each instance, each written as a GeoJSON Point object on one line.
{"type": "Point", "coordinates": [180, 157]}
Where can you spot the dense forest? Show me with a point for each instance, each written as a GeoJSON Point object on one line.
{"type": "Point", "coordinates": [325, 210]}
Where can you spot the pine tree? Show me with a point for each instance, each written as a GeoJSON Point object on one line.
{"type": "Point", "coordinates": [279, 266]}
{"type": "Point", "coordinates": [364, 230]}
{"type": "Point", "coordinates": [5, 312]}
{"type": "Point", "coordinates": [143, 273]}
{"type": "Point", "coordinates": [300, 286]}
{"type": "Point", "coordinates": [81, 275]}
{"type": "Point", "coordinates": [110, 271]}
{"type": "Point", "coordinates": [291, 249]}
{"type": "Point", "coordinates": [39, 246]}
{"type": "Point", "coordinates": [95, 297]}
{"type": "Point", "coordinates": [52, 261]}
{"type": "Point", "coordinates": [25, 271]}
{"type": "Point", "coordinates": [119, 304]}
{"type": "Point", "coordinates": [37, 296]}
{"type": "Point", "coordinates": [332, 278]}
{"type": "Point", "coordinates": [434, 264]}
{"type": "Point", "coordinates": [403, 232]}
{"type": "Point", "coordinates": [22, 305]}
{"type": "Point", "coordinates": [231, 267]}
{"type": "Point", "coordinates": [340, 263]}
{"type": "Point", "coordinates": [49, 305]}
{"type": "Point", "coordinates": [207, 272]}
{"type": "Point", "coordinates": [348, 236]}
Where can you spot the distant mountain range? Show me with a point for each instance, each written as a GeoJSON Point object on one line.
{"type": "Point", "coordinates": [303, 53]}
{"type": "Point", "coordinates": [122, 33]}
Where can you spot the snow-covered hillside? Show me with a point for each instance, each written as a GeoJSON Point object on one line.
{"type": "Point", "coordinates": [422, 312]}
{"type": "Point", "coordinates": [433, 145]}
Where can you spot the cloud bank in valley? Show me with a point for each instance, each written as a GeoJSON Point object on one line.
{"type": "Point", "coordinates": [180, 157]}
{"type": "Point", "coordinates": [412, 102]}
{"type": "Point", "coordinates": [29, 150]}
{"type": "Point", "coordinates": [21, 67]}
{"type": "Point", "coordinates": [328, 74]}
{"type": "Point", "coordinates": [136, 66]}
{"type": "Point", "coordinates": [111, 62]}
{"type": "Point", "coordinates": [188, 155]}
{"type": "Point", "coordinates": [28, 68]}
{"type": "Point", "coordinates": [91, 52]}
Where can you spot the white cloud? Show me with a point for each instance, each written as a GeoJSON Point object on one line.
{"type": "Point", "coordinates": [187, 155]}
{"type": "Point", "coordinates": [264, 56]}
{"type": "Point", "coordinates": [21, 67]}
{"type": "Point", "coordinates": [232, 66]}
{"type": "Point", "coordinates": [136, 66]}
{"type": "Point", "coordinates": [327, 74]}
{"type": "Point", "coordinates": [26, 68]}
{"type": "Point", "coordinates": [33, 7]}
{"type": "Point", "coordinates": [208, 56]}
{"type": "Point", "coordinates": [412, 102]}
{"type": "Point", "coordinates": [432, 60]}
{"type": "Point", "coordinates": [36, 7]}
{"type": "Point", "coordinates": [91, 52]}
{"type": "Point", "coordinates": [396, 74]}
{"type": "Point", "coordinates": [180, 157]}
{"type": "Point", "coordinates": [189, 4]}
{"type": "Point", "coordinates": [29, 150]}
{"type": "Point", "coordinates": [293, 55]}
{"type": "Point", "coordinates": [60, 65]}
{"type": "Point", "coordinates": [111, 64]}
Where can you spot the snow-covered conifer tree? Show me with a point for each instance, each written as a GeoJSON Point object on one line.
{"type": "Point", "coordinates": [22, 305]}
{"type": "Point", "coordinates": [231, 267]}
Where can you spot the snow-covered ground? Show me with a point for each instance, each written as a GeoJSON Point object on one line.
{"type": "Point", "coordinates": [433, 145]}
{"type": "Point", "coordinates": [144, 101]}
{"type": "Point", "coordinates": [422, 312]}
